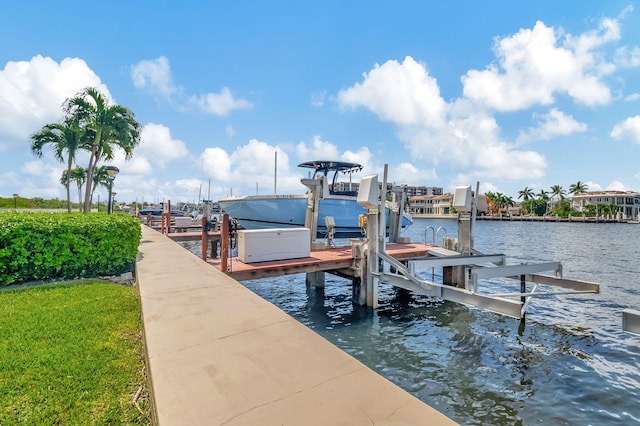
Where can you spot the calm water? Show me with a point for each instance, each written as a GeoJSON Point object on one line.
{"type": "Point", "coordinates": [571, 364]}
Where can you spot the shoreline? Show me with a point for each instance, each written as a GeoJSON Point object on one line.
{"type": "Point", "coordinates": [569, 219]}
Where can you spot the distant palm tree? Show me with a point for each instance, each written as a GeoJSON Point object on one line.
{"type": "Point", "coordinates": [557, 191]}
{"type": "Point", "coordinates": [79, 175]}
{"type": "Point", "coordinates": [578, 187]}
{"type": "Point", "coordinates": [107, 127]}
{"type": "Point", "coordinates": [66, 139]}
{"type": "Point", "coordinates": [508, 202]}
{"type": "Point", "coordinates": [543, 195]}
{"type": "Point", "coordinates": [100, 178]}
{"type": "Point", "coordinates": [526, 193]}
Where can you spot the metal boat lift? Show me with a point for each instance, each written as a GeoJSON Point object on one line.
{"type": "Point", "coordinates": [465, 267]}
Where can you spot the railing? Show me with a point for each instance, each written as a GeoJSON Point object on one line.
{"type": "Point", "coordinates": [434, 235]}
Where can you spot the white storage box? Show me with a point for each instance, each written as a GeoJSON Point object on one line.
{"type": "Point", "coordinates": [261, 245]}
{"type": "Point", "coordinates": [183, 221]}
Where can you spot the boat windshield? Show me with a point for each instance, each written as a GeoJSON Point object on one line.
{"type": "Point", "coordinates": [325, 168]}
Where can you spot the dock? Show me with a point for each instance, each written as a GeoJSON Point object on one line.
{"type": "Point", "coordinates": [219, 354]}
{"type": "Point", "coordinates": [336, 259]}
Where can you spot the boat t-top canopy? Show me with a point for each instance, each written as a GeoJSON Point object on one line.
{"type": "Point", "coordinates": [322, 167]}
{"type": "Point", "coordinates": [329, 166]}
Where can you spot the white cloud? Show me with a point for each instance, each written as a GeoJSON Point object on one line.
{"type": "Point", "coordinates": [317, 99]}
{"type": "Point", "coordinates": [219, 104]}
{"type": "Point", "coordinates": [251, 167]}
{"type": "Point", "coordinates": [216, 164]}
{"type": "Point", "coordinates": [616, 186]}
{"type": "Point", "coordinates": [592, 186]}
{"type": "Point", "coordinates": [157, 144]}
{"type": "Point", "coordinates": [628, 58]}
{"type": "Point", "coordinates": [402, 93]}
{"type": "Point", "coordinates": [230, 131]}
{"type": "Point", "coordinates": [533, 66]}
{"type": "Point", "coordinates": [138, 165]}
{"type": "Point", "coordinates": [460, 134]}
{"type": "Point", "coordinates": [627, 129]}
{"type": "Point", "coordinates": [410, 174]}
{"type": "Point", "coordinates": [632, 97]}
{"type": "Point", "coordinates": [154, 75]}
{"type": "Point", "coordinates": [555, 123]}
{"type": "Point", "coordinates": [32, 93]}
{"type": "Point", "coordinates": [317, 150]}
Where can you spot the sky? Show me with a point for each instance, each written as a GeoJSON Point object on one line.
{"type": "Point", "coordinates": [510, 94]}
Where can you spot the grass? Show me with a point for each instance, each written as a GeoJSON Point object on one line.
{"type": "Point", "coordinates": [72, 353]}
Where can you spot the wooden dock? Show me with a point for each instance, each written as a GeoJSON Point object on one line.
{"type": "Point", "coordinates": [339, 260]}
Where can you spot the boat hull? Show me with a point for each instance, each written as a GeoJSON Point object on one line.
{"type": "Point", "coordinates": [255, 212]}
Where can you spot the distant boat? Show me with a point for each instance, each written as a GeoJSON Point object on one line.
{"type": "Point", "coordinates": [284, 211]}
{"type": "Point", "coordinates": [158, 212]}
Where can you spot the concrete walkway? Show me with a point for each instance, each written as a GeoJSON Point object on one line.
{"type": "Point", "coordinates": [219, 354]}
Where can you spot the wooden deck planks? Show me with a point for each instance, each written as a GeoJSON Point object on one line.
{"type": "Point", "coordinates": [320, 260]}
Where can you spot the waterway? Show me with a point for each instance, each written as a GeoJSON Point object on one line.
{"type": "Point", "coordinates": [570, 364]}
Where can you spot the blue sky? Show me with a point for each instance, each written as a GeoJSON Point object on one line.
{"type": "Point", "coordinates": [510, 94]}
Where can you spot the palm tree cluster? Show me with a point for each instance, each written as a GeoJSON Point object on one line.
{"type": "Point", "coordinates": [498, 202]}
{"type": "Point", "coordinates": [532, 202]}
{"type": "Point", "coordinates": [539, 203]}
{"type": "Point", "coordinates": [89, 124]}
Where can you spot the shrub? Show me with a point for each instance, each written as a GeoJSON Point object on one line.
{"type": "Point", "coordinates": [49, 246]}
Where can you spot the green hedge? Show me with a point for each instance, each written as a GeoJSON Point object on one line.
{"type": "Point", "coordinates": [44, 246]}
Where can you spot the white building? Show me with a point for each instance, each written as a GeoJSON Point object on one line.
{"type": "Point", "coordinates": [628, 202]}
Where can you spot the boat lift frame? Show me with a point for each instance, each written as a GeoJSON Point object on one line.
{"type": "Point", "coordinates": [473, 265]}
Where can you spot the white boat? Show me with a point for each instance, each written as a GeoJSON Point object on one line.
{"type": "Point", "coordinates": [284, 211]}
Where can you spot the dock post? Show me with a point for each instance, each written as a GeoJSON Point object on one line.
{"type": "Point", "coordinates": [205, 238]}
{"type": "Point", "coordinates": [359, 281]}
{"type": "Point", "coordinates": [313, 205]}
{"type": "Point", "coordinates": [371, 292]}
{"type": "Point", "coordinates": [315, 279]}
{"type": "Point", "coordinates": [168, 216]}
{"type": "Point", "coordinates": [224, 244]}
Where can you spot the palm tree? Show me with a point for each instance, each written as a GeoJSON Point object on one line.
{"type": "Point", "coordinates": [577, 188]}
{"type": "Point", "coordinates": [79, 175]}
{"type": "Point", "coordinates": [100, 178]}
{"type": "Point", "coordinates": [543, 195]}
{"type": "Point", "coordinates": [107, 127]}
{"type": "Point", "coordinates": [526, 193]}
{"type": "Point", "coordinates": [66, 139]}
{"type": "Point", "coordinates": [557, 191]}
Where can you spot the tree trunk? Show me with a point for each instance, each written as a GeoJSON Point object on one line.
{"type": "Point", "coordinates": [67, 186]}
{"type": "Point", "coordinates": [90, 170]}
{"type": "Point", "coordinates": [80, 196]}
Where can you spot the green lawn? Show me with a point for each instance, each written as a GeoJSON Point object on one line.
{"type": "Point", "coordinates": [72, 354]}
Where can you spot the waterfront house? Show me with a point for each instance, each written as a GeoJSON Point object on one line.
{"type": "Point", "coordinates": [628, 202]}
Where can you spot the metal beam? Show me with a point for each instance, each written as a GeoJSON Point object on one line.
{"type": "Point", "coordinates": [459, 260]}
{"type": "Point", "coordinates": [509, 270]}
{"type": "Point", "coordinates": [578, 285]}
{"type": "Point", "coordinates": [631, 321]}
{"type": "Point", "coordinates": [494, 304]}
{"type": "Point", "coordinates": [474, 274]}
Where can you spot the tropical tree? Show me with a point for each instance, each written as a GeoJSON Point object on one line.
{"type": "Point", "coordinates": [66, 139]}
{"type": "Point", "coordinates": [526, 193]}
{"type": "Point", "coordinates": [101, 178]}
{"type": "Point", "coordinates": [491, 202]}
{"type": "Point", "coordinates": [107, 127]}
{"type": "Point", "coordinates": [578, 187]}
{"type": "Point", "coordinates": [79, 176]}
{"type": "Point", "coordinates": [543, 195]}
{"type": "Point", "coordinates": [557, 191]}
